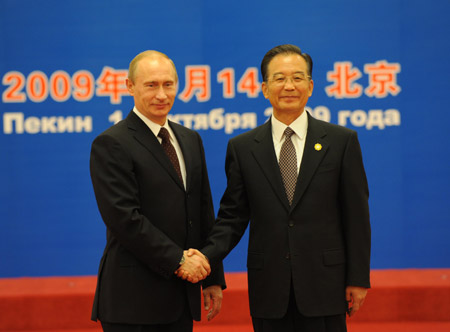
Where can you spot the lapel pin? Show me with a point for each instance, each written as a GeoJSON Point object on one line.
{"type": "Point", "coordinates": [318, 147]}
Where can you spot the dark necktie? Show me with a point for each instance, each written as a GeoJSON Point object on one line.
{"type": "Point", "coordinates": [170, 150]}
{"type": "Point", "coordinates": [288, 165]}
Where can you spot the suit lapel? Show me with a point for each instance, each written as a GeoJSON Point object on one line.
{"type": "Point", "coordinates": [265, 156]}
{"type": "Point", "coordinates": [145, 137]}
{"type": "Point", "coordinates": [315, 149]}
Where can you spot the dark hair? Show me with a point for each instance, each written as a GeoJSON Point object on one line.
{"type": "Point", "coordinates": [284, 49]}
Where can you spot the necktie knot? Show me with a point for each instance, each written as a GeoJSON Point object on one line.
{"type": "Point", "coordinates": [164, 134]}
{"type": "Point", "coordinates": [288, 132]}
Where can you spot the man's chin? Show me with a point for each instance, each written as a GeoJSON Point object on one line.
{"type": "Point", "coordinates": [163, 111]}
{"type": "Point", "coordinates": [291, 108]}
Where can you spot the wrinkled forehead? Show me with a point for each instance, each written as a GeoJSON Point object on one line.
{"type": "Point", "coordinates": [156, 66]}
{"type": "Point", "coordinates": [287, 64]}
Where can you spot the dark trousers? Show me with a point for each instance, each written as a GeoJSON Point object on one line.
{"type": "Point", "coordinates": [294, 321]}
{"type": "Point", "coordinates": [183, 324]}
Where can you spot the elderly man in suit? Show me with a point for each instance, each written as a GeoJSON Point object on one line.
{"type": "Point", "coordinates": [152, 189]}
{"type": "Point", "coordinates": [301, 184]}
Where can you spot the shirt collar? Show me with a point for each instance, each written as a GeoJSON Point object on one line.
{"type": "Point", "coordinates": [154, 127]}
{"type": "Point", "coordinates": [299, 126]}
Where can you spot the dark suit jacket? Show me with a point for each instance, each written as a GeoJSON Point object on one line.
{"type": "Point", "coordinates": [150, 220]}
{"type": "Point", "coordinates": [321, 242]}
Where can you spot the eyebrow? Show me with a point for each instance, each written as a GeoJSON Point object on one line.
{"type": "Point", "coordinates": [297, 72]}
{"type": "Point", "coordinates": [157, 82]}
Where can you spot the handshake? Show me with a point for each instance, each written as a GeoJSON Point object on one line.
{"type": "Point", "coordinates": [195, 266]}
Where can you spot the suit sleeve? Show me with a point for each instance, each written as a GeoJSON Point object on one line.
{"type": "Point", "coordinates": [116, 191]}
{"type": "Point", "coordinates": [354, 195]}
{"type": "Point", "coordinates": [234, 212]}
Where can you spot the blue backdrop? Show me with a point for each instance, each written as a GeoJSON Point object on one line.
{"type": "Point", "coordinates": [380, 68]}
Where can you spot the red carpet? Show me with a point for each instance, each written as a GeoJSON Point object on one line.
{"type": "Point", "coordinates": [400, 300]}
{"type": "Point", "coordinates": [352, 327]}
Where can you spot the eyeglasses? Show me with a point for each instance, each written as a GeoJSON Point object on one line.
{"type": "Point", "coordinates": [297, 79]}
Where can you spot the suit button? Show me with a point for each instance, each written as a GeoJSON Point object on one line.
{"type": "Point", "coordinates": [288, 256]}
{"type": "Point", "coordinates": [291, 223]}
{"type": "Point", "coordinates": [190, 223]}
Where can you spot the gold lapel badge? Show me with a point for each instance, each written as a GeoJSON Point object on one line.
{"type": "Point", "coordinates": [318, 147]}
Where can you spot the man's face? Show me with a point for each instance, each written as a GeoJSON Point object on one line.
{"type": "Point", "coordinates": [154, 88]}
{"type": "Point", "coordinates": [288, 85]}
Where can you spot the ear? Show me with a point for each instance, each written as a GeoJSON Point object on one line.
{"type": "Point", "coordinates": [265, 89]}
{"type": "Point", "coordinates": [311, 87]}
{"type": "Point", "coordinates": [130, 86]}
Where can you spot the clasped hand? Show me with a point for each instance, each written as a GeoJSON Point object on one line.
{"type": "Point", "coordinates": [195, 267]}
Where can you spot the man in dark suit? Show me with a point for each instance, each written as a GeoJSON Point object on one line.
{"type": "Point", "coordinates": [152, 189]}
{"type": "Point", "coordinates": [301, 183]}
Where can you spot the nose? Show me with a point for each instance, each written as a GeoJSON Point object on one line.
{"type": "Point", "coordinates": [161, 94]}
{"type": "Point", "coordinates": [289, 83]}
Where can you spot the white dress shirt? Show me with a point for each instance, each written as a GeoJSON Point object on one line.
{"type": "Point", "coordinates": [300, 128]}
{"type": "Point", "coordinates": [155, 128]}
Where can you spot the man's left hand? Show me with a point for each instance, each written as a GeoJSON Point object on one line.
{"type": "Point", "coordinates": [355, 298]}
{"type": "Point", "coordinates": [213, 300]}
